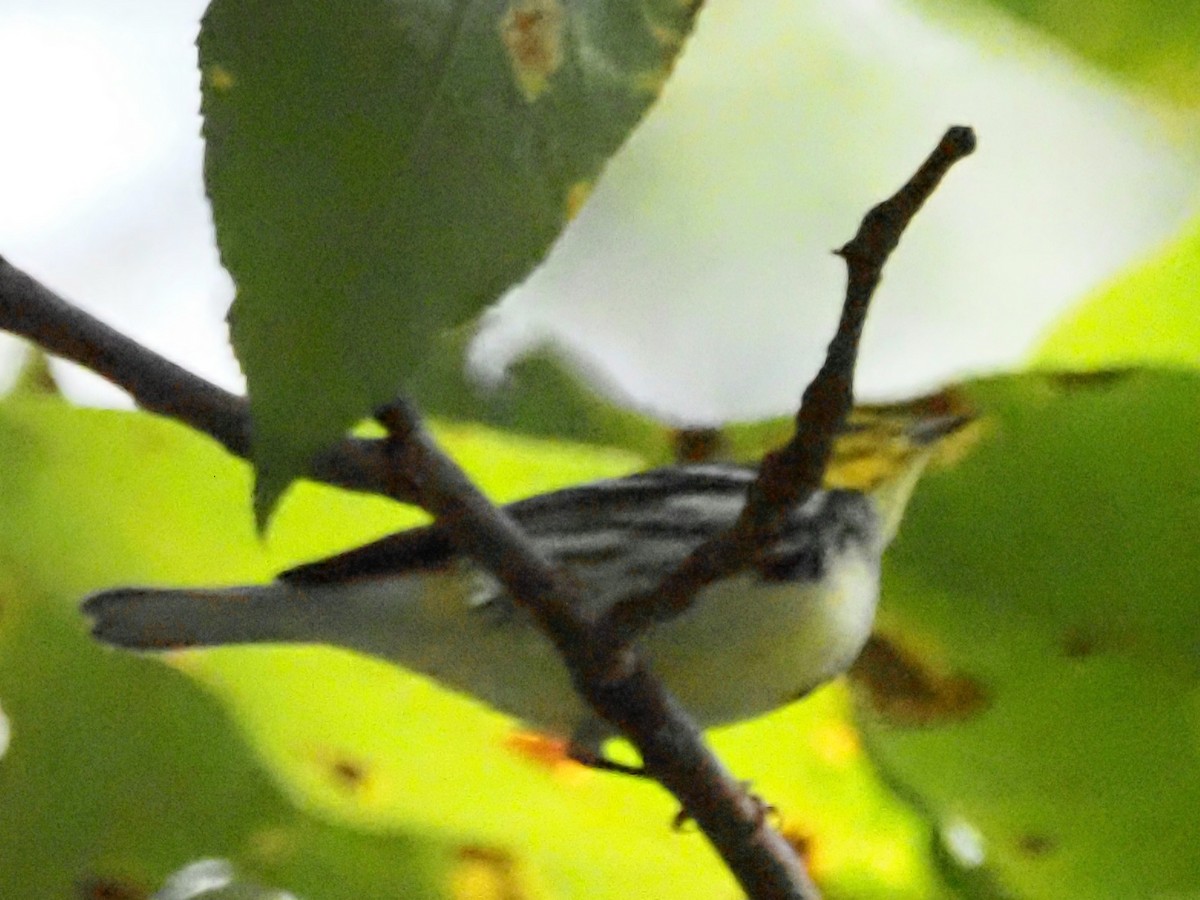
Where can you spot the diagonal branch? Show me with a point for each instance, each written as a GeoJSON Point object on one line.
{"type": "Point", "coordinates": [790, 474]}
{"type": "Point", "coordinates": [617, 684]}
{"type": "Point", "coordinates": [31, 310]}
{"type": "Point", "coordinates": [408, 466]}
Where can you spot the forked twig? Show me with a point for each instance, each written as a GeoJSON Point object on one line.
{"type": "Point", "coordinates": [607, 668]}
{"type": "Point", "coordinates": [790, 474]}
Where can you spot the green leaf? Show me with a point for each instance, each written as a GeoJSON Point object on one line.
{"type": "Point", "coordinates": [542, 396]}
{"type": "Point", "coordinates": [1147, 315]}
{"type": "Point", "coordinates": [1037, 683]}
{"type": "Point", "coordinates": [381, 170]}
{"type": "Point", "coordinates": [1153, 45]}
{"type": "Point", "coordinates": [35, 375]}
{"type": "Point", "coordinates": [388, 764]}
{"type": "Point", "coordinates": [118, 770]}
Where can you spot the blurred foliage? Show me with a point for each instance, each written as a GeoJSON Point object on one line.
{"type": "Point", "coordinates": [1147, 315]}
{"type": "Point", "coordinates": [1033, 692]}
{"type": "Point", "coordinates": [1151, 44]}
{"type": "Point", "coordinates": [1039, 690]}
{"type": "Point", "coordinates": [381, 171]}
{"type": "Point", "coordinates": [120, 771]}
{"type": "Point", "coordinates": [1035, 680]}
{"type": "Point", "coordinates": [541, 395]}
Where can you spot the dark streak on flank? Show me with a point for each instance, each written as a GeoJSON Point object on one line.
{"type": "Point", "coordinates": [802, 842]}
{"type": "Point", "coordinates": [1080, 643]}
{"type": "Point", "coordinates": [500, 864]}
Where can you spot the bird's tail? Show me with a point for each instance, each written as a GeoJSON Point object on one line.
{"type": "Point", "coordinates": [161, 619]}
{"type": "Point", "coordinates": [395, 618]}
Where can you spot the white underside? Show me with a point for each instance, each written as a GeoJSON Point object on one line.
{"type": "Point", "coordinates": [744, 648]}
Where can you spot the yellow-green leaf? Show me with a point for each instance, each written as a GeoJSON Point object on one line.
{"type": "Point", "coordinates": [378, 758]}
{"type": "Point", "coordinates": [1149, 314]}
{"type": "Point", "coordinates": [1035, 686]}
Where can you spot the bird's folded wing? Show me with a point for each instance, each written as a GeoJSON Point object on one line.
{"type": "Point", "coordinates": [640, 501]}
{"type": "Point", "coordinates": [418, 549]}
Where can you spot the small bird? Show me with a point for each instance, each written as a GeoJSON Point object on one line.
{"type": "Point", "coordinates": [748, 644]}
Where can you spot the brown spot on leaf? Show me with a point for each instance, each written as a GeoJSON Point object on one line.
{"type": "Point", "coordinates": [537, 747]}
{"type": "Point", "coordinates": [909, 692]}
{"type": "Point", "coordinates": [1034, 844]}
{"type": "Point", "coordinates": [1080, 643]}
{"type": "Point", "coordinates": [348, 773]}
{"type": "Point", "coordinates": [532, 31]}
{"type": "Point", "coordinates": [548, 753]}
{"type": "Point", "coordinates": [486, 873]}
{"type": "Point", "coordinates": [577, 195]}
{"type": "Point", "coordinates": [1097, 379]}
{"type": "Point", "coordinates": [802, 842]}
{"type": "Point", "coordinates": [110, 888]}
{"type": "Point", "coordinates": [808, 848]}
{"type": "Point", "coordinates": [1084, 641]}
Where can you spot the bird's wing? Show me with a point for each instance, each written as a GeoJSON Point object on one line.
{"type": "Point", "coordinates": [640, 501]}
{"type": "Point", "coordinates": [418, 549]}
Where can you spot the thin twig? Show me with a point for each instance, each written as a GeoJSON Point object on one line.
{"type": "Point", "coordinates": [790, 474]}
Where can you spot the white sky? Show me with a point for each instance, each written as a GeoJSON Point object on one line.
{"type": "Point", "coordinates": [698, 277]}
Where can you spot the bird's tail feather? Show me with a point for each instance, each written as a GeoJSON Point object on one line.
{"type": "Point", "coordinates": [159, 619]}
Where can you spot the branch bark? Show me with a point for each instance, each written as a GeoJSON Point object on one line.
{"type": "Point", "coordinates": [789, 475]}
{"type": "Point", "coordinates": [409, 467]}
{"type": "Point", "coordinates": [608, 669]}
{"type": "Point", "coordinates": [31, 310]}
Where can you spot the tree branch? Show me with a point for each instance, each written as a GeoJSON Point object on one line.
{"type": "Point", "coordinates": [33, 311]}
{"type": "Point", "coordinates": [408, 466]}
{"type": "Point", "coordinates": [789, 475]}
{"type": "Point", "coordinates": [617, 683]}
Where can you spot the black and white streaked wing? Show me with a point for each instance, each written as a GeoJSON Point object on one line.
{"type": "Point", "coordinates": [621, 536]}
{"type": "Point", "coordinates": [570, 525]}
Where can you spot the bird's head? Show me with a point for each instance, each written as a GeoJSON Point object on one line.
{"type": "Point", "coordinates": [883, 450]}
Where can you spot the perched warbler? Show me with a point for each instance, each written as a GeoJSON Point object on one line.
{"type": "Point", "coordinates": [748, 644]}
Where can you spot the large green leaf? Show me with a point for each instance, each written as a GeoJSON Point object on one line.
{"type": "Point", "coordinates": [119, 771]}
{"type": "Point", "coordinates": [381, 170]}
{"type": "Point", "coordinates": [1147, 315]}
{"type": "Point", "coordinates": [1037, 682]}
{"type": "Point", "coordinates": [97, 498]}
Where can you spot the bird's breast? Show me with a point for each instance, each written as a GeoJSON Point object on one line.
{"type": "Point", "coordinates": [749, 644]}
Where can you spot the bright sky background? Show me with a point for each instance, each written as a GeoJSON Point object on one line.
{"type": "Point", "coordinates": [699, 276]}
